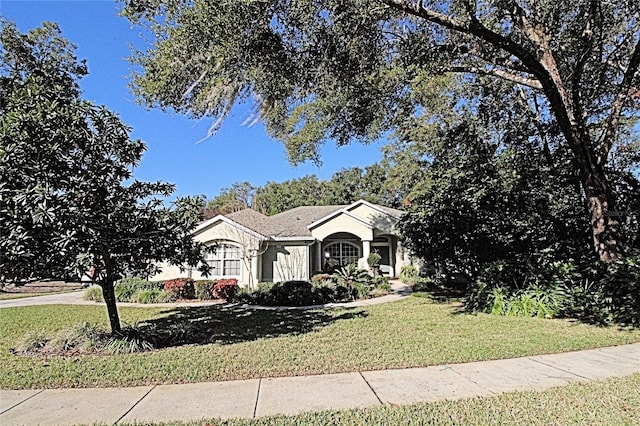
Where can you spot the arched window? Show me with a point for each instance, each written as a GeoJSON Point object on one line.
{"type": "Point", "coordinates": [341, 253]}
{"type": "Point", "coordinates": [226, 261]}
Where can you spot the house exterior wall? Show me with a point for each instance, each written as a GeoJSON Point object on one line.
{"type": "Point", "coordinates": [342, 223]}
{"type": "Point", "coordinates": [381, 221]}
{"type": "Point", "coordinates": [219, 232]}
{"type": "Point", "coordinates": [286, 262]}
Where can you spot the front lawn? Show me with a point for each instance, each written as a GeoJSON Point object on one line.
{"type": "Point", "coordinates": [221, 343]}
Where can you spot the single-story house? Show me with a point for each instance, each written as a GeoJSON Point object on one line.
{"type": "Point", "coordinates": [296, 244]}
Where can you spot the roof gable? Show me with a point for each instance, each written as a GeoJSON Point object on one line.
{"type": "Point", "coordinates": [300, 221]}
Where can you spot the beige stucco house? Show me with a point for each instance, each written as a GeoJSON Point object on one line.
{"type": "Point", "coordinates": [297, 243]}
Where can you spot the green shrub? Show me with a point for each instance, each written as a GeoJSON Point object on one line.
{"type": "Point", "coordinates": [497, 302]}
{"type": "Point", "coordinates": [127, 287]}
{"type": "Point", "coordinates": [94, 293]}
{"type": "Point", "coordinates": [152, 296]}
{"type": "Point", "coordinates": [425, 284]}
{"type": "Point", "coordinates": [130, 340]}
{"type": "Point", "coordinates": [361, 290]}
{"type": "Point", "coordinates": [409, 274]}
{"type": "Point", "coordinates": [85, 337]}
{"type": "Point", "coordinates": [32, 341]}
{"type": "Point", "coordinates": [373, 259]}
{"type": "Point", "coordinates": [204, 289]}
{"type": "Point", "coordinates": [381, 283]}
{"type": "Point", "coordinates": [319, 278]}
{"type": "Point", "coordinates": [326, 291]}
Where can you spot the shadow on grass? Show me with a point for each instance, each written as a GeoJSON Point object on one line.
{"type": "Point", "coordinates": [228, 324]}
{"type": "Point", "coordinates": [443, 294]}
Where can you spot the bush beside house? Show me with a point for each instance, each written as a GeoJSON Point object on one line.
{"type": "Point", "coordinates": [345, 285]}
{"type": "Point", "coordinates": [137, 290]}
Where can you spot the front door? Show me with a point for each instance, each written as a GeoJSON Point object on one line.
{"type": "Point", "coordinates": [385, 262]}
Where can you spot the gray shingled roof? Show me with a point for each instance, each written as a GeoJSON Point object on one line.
{"type": "Point", "coordinates": [294, 222]}
{"type": "Point", "coordinates": [291, 223]}
{"type": "Point", "coordinates": [253, 220]}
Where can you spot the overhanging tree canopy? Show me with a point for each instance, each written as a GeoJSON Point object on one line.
{"type": "Point", "coordinates": [345, 70]}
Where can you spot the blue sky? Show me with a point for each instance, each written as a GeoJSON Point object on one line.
{"type": "Point", "coordinates": [236, 153]}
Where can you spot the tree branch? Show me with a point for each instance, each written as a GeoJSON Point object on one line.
{"type": "Point", "coordinates": [506, 75]}
{"type": "Point", "coordinates": [576, 79]}
{"type": "Point", "coordinates": [541, 63]}
{"type": "Point", "coordinates": [625, 92]}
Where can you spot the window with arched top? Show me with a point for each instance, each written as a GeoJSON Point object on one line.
{"type": "Point", "coordinates": [342, 253]}
{"type": "Point", "coordinates": [226, 261]}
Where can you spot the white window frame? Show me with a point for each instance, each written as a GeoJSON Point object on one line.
{"type": "Point", "coordinates": [341, 255]}
{"type": "Point", "coordinates": [224, 252]}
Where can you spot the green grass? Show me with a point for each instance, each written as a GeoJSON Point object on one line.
{"type": "Point", "coordinates": [224, 344]}
{"type": "Point", "coordinates": [609, 402]}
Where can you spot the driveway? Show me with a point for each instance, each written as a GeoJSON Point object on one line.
{"type": "Point", "coordinates": [73, 298]}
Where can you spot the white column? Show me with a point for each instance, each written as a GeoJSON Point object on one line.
{"type": "Point", "coordinates": [254, 271]}
{"type": "Point", "coordinates": [366, 251]}
{"type": "Point", "coordinates": [319, 256]}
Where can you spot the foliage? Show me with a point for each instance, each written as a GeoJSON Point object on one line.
{"type": "Point", "coordinates": [426, 284]}
{"type": "Point", "coordinates": [226, 289]}
{"type": "Point", "coordinates": [93, 293]}
{"type": "Point", "coordinates": [373, 260]}
{"type": "Point", "coordinates": [409, 274]}
{"type": "Point", "coordinates": [32, 341]}
{"type": "Point", "coordinates": [69, 203]}
{"type": "Point", "coordinates": [128, 341]}
{"type": "Point", "coordinates": [204, 289]}
{"type": "Point", "coordinates": [154, 295]}
{"type": "Point", "coordinates": [126, 288]}
{"type": "Point", "coordinates": [230, 200]}
{"type": "Point", "coordinates": [607, 293]}
{"type": "Point", "coordinates": [356, 70]}
{"type": "Point", "coordinates": [345, 187]}
{"type": "Point", "coordinates": [346, 285]}
{"type": "Point", "coordinates": [180, 288]}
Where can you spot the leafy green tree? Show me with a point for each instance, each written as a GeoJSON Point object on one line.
{"type": "Point", "coordinates": [352, 184]}
{"type": "Point", "coordinates": [345, 70]}
{"type": "Point", "coordinates": [274, 197]}
{"type": "Point", "coordinates": [66, 206]}
{"type": "Point", "coordinates": [239, 196]}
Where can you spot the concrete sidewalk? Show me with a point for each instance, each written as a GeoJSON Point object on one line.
{"type": "Point", "coordinates": [291, 395]}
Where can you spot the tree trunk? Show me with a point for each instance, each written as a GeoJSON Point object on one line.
{"type": "Point", "coordinates": [109, 294]}
{"type": "Point", "coordinates": [605, 223]}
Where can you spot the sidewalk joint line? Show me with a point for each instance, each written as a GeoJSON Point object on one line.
{"type": "Point", "coordinates": [134, 405]}
{"type": "Point", "coordinates": [370, 387]}
{"type": "Point", "coordinates": [470, 380]}
{"type": "Point", "coordinates": [23, 401]}
{"type": "Point", "coordinates": [255, 407]}
{"type": "Point", "coordinates": [561, 369]}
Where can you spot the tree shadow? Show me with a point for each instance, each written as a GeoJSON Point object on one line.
{"type": "Point", "coordinates": [445, 294]}
{"type": "Point", "coordinates": [224, 324]}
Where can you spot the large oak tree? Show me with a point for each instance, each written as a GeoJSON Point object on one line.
{"type": "Point", "coordinates": [345, 70]}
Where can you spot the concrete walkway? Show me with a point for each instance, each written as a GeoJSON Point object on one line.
{"type": "Point", "coordinates": [291, 395]}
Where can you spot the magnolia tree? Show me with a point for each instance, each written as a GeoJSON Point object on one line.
{"type": "Point", "coordinates": [68, 203]}
{"type": "Point", "coordinates": [346, 70]}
